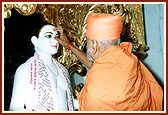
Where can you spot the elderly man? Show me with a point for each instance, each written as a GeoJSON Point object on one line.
{"type": "Point", "coordinates": [117, 80]}
{"type": "Point", "coordinates": [42, 83]}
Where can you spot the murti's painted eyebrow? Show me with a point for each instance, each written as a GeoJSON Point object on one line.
{"type": "Point", "coordinates": [48, 32]}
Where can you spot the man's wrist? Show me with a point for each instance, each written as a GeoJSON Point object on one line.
{"type": "Point", "coordinates": [68, 45]}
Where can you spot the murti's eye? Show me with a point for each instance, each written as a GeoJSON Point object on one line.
{"type": "Point", "coordinates": [48, 36]}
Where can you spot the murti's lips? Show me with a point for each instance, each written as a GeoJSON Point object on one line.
{"type": "Point", "coordinates": [54, 46]}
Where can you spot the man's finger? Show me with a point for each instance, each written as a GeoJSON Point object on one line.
{"type": "Point", "coordinates": [61, 41]}
{"type": "Point", "coordinates": [57, 39]}
{"type": "Point", "coordinates": [59, 28]}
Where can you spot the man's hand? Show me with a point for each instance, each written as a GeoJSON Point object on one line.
{"type": "Point", "coordinates": [63, 38]}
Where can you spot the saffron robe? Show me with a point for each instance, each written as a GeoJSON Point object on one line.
{"type": "Point", "coordinates": [118, 81]}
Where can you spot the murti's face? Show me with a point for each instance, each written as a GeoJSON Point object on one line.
{"type": "Point", "coordinates": [46, 40]}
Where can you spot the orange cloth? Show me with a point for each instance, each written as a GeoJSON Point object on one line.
{"type": "Point", "coordinates": [102, 26]}
{"type": "Point", "coordinates": [118, 81]}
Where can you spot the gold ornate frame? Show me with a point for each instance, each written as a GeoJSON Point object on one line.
{"type": "Point", "coordinates": [72, 17]}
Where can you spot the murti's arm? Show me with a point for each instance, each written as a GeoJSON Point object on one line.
{"type": "Point", "coordinates": [19, 91]}
{"type": "Point", "coordinates": [80, 55]}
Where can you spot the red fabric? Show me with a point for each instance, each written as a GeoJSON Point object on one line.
{"type": "Point", "coordinates": [118, 81]}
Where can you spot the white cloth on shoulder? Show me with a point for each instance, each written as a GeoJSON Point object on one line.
{"type": "Point", "coordinates": [42, 91]}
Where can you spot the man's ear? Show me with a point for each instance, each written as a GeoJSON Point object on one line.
{"type": "Point", "coordinates": [94, 46]}
{"type": "Point", "coordinates": [34, 40]}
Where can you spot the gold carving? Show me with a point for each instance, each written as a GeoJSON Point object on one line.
{"type": "Point", "coordinates": [77, 89]}
{"type": "Point", "coordinates": [24, 9]}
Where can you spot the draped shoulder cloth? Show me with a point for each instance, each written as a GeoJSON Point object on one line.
{"type": "Point", "coordinates": [42, 91]}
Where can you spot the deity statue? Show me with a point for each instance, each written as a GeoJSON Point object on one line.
{"type": "Point", "coordinates": [42, 83]}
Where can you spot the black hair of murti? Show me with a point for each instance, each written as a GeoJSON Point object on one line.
{"type": "Point", "coordinates": [36, 30]}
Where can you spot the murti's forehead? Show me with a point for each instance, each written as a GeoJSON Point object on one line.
{"type": "Point", "coordinates": [48, 28]}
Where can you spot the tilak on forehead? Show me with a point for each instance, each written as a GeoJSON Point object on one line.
{"type": "Point", "coordinates": [54, 29]}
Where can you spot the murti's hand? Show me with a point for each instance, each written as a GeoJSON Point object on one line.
{"type": "Point", "coordinates": [63, 38]}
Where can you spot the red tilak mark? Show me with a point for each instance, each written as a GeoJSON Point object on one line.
{"type": "Point", "coordinates": [54, 29]}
